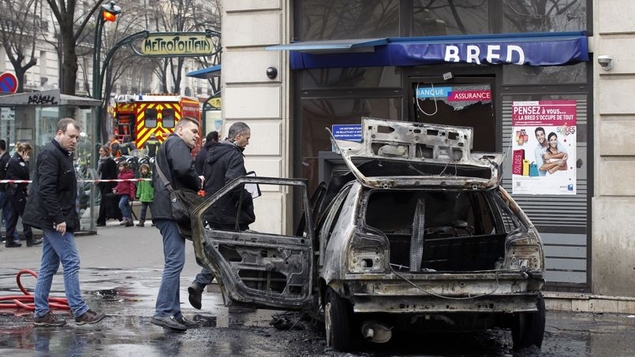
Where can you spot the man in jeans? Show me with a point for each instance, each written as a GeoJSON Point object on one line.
{"type": "Point", "coordinates": [174, 160]}
{"type": "Point", "coordinates": [51, 208]}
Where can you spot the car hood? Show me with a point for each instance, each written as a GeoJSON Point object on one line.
{"type": "Point", "coordinates": [408, 154]}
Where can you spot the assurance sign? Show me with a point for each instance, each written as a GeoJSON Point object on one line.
{"type": "Point", "coordinates": [177, 44]}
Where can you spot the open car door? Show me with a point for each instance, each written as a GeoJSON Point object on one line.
{"type": "Point", "coordinates": [261, 266]}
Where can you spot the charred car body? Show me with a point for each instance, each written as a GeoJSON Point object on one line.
{"type": "Point", "coordinates": [419, 235]}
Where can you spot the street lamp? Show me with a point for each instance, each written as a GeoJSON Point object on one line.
{"type": "Point", "coordinates": [107, 12]}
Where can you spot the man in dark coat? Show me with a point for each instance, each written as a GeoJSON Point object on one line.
{"type": "Point", "coordinates": [51, 208]}
{"type": "Point", "coordinates": [210, 140]}
{"type": "Point", "coordinates": [174, 159]}
{"type": "Point", "coordinates": [225, 162]}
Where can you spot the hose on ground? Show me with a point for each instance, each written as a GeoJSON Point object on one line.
{"type": "Point", "coordinates": [26, 301]}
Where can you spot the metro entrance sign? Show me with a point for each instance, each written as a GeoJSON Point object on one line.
{"type": "Point", "coordinates": [8, 82]}
{"type": "Point", "coordinates": [169, 44]}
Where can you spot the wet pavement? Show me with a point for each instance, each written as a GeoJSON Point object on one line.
{"type": "Point", "coordinates": [121, 273]}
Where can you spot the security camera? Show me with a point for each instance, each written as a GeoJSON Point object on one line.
{"type": "Point", "coordinates": [606, 62]}
{"type": "Point", "coordinates": [272, 72]}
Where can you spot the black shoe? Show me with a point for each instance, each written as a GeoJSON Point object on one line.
{"type": "Point", "coordinates": [90, 317]}
{"type": "Point", "coordinates": [101, 224]}
{"type": "Point", "coordinates": [10, 244]}
{"type": "Point", "coordinates": [188, 323]}
{"type": "Point", "coordinates": [129, 224]}
{"type": "Point", "coordinates": [33, 242]}
{"type": "Point", "coordinates": [196, 295]}
{"type": "Point", "coordinates": [168, 322]}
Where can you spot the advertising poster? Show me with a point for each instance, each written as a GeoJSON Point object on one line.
{"type": "Point", "coordinates": [544, 147]}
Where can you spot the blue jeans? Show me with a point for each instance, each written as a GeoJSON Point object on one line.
{"type": "Point", "coordinates": [169, 300]}
{"type": "Point", "coordinates": [144, 209]}
{"type": "Point", "coordinates": [124, 206]}
{"type": "Point", "coordinates": [203, 278]}
{"type": "Point", "coordinates": [58, 248]}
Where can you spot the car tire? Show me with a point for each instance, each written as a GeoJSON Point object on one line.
{"type": "Point", "coordinates": [528, 328]}
{"type": "Point", "coordinates": [338, 322]}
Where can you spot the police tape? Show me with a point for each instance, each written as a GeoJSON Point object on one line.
{"type": "Point", "coordinates": [84, 181]}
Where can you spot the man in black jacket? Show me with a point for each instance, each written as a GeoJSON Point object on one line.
{"type": "Point", "coordinates": [4, 199]}
{"type": "Point", "coordinates": [174, 159]}
{"type": "Point", "coordinates": [225, 162]}
{"type": "Point", "coordinates": [51, 208]}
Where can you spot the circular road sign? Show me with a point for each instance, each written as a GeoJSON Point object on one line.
{"type": "Point", "coordinates": [8, 82]}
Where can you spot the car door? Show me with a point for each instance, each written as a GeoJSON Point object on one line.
{"type": "Point", "coordinates": [261, 266]}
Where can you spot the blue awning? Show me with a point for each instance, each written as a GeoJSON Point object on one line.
{"type": "Point", "coordinates": [205, 73]}
{"type": "Point", "coordinates": [530, 49]}
{"type": "Point", "coordinates": [331, 46]}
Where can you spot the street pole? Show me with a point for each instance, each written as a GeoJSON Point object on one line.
{"type": "Point", "coordinates": [107, 12]}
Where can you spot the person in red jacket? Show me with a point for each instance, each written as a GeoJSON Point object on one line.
{"type": "Point", "coordinates": [125, 189]}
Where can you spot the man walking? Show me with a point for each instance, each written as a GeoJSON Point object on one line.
{"type": "Point", "coordinates": [4, 199]}
{"type": "Point", "coordinates": [225, 162]}
{"type": "Point", "coordinates": [174, 159]}
{"type": "Point", "coordinates": [51, 208]}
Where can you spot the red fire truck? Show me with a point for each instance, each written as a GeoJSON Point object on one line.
{"type": "Point", "coordinates": [137, 117]}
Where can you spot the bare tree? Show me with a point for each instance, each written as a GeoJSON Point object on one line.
{"type": "Point", "coordinates": [18, 30]}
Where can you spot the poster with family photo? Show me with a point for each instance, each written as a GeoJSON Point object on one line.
{"type": "Point", "coordinates": [544, 147]}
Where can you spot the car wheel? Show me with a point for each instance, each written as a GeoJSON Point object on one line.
{"type": "Point", "coordinates": [338, 316]}
{"type": "Point", "coordinates": [528, 328]}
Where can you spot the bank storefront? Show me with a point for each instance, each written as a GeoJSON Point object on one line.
{"type": "Point", "coordinates": [506, 68]}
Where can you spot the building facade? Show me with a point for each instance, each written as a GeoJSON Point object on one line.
{"type": "Point", "coordinates": [458, 63]}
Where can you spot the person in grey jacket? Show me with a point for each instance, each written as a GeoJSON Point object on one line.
{"type": "Point", "coordinates": [50, 206]}
{"type": "Point", "coordinates": [174, 159]}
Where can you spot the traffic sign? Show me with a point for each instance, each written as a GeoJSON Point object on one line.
{"type": "Point", "coordinates": [8, 82]}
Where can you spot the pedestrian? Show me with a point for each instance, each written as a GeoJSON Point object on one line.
{"type": "Point", "coordinates": [18, 169]}
{"type": "Point", "coordinates": [4, 201]}
{"type": "Point", "coordinates": [51, 207]}
{"type": "Point", "coordinates": [210, 140]}
{"type": "Point", "coordinates": [145, 192]}
{"type": "Point", "coordinates": [126, 191]}
{"type": "Point", "coordinates": [224, 162]}
{"type": "Point", "coordinates": [107, 170]}
{"type": "Point", "coordinates": [152, 145]}
{"type": "Point", "coordinates": [174, 159]}
{"type": "Point", "coordinates": [115, 146]}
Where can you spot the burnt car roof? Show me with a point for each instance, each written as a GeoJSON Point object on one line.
{"type": "Point", "coordinates": [408, 154]}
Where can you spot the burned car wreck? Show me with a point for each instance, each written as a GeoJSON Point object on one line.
{"type": "Point", "coordinates": [418, 235]}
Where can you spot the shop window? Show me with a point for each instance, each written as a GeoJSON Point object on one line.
{"type": "Point", "coordinates": [150, 118]}
{"type": "Point", "coordinates": [552, 16]}
{"type": "Point", "coordinates": [345, 19]}
{"type": "Point", "coordinates": [352, 77]}
{"type": "Point", "coordinates": [167, 118]}
{"type": "Point", "coordinates": [526, 75]}
{"type": "Point", "coordinates": [450, 17]}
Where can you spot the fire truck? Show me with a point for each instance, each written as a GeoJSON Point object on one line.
{"type": "Point", "coordinates": [137, 117]}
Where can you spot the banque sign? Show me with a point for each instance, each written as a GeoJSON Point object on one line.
{"type": "Point", "coordinates": [168, 44]}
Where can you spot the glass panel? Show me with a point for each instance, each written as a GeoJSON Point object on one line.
{"type": "Point", "coordinates": [150, 118]}
{"type": "Point", "coordinates": [318, 114]}
{"type": "Point", "coordinates": [460, 105]}
{"type": "Point", "coordinates": [526, 75]}
{"type": "Point", "coordinates": [544, 16]}
{"type": "Point", "coordinates": [450, 17]}
{"type": "Point", "coordinates": [167, 118]}
{"type": "Point", "coordinates": [348, 19]}
{"type": "Point", "coordinates": [355, 77]}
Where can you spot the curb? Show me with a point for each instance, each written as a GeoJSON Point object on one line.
{"type": "Point", "coordinates": [576, 302]}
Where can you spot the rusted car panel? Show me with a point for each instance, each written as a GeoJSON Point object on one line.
{"type": "Point", "coordinates": [419, 228]}
{"type": "Point", "coordinates": [442, 150]}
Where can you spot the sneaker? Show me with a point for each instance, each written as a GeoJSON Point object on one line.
{"type": "Point", "coordinates": [48, 320]}
{"type": "Point", "coordinates": [168, 322]}
{"type": "Point", "coordinates": [187, 323]}
{"type": "Point", "coordinates": [196, 295]}
{"type": "Point", "coordinates": [10, 244]}
{"type": "Point", "coordinates": [90, 317]}
{"type": "Point", "coordinates": [129, 224]}
{"type": "Point", "coordinates": [140, 224]}
{"type": "Point", "coordinates": [33, 242]}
